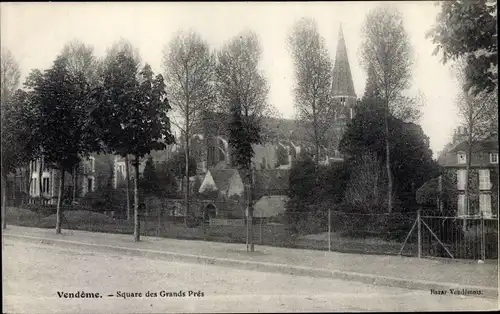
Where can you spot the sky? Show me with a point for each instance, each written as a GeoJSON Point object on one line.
{"type": "Point", "coordinates": [36, 33]}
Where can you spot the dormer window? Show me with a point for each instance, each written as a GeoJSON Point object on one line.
{"type": "Point", "coordinates": [462, 158]}
{"type": "Point", "coordinates": [494, 158]}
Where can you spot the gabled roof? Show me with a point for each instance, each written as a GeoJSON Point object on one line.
{"type": "Point", "coordinates": [271, 181]}
{"type": "Point", "coordinates": [222, 177]}
{"type": "Point", "coordinates": [450, 159]}
{"type": "Point", "coordinates": [342, 83]}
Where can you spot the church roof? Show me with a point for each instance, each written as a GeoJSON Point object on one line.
{"type": "Point", "coordinates": [342, 83]}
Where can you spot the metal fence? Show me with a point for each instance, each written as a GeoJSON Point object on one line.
{"type": "Point", "coordinates": [458, 237]}
{"type": "Point", "coordinates": [409, 233]}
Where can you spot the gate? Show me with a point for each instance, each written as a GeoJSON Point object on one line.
{"type": "Point", "coordinates": [469, 237]}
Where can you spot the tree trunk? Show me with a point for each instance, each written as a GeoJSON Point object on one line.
{"type": "Point", "coordinates": [137, 235]}
{"type": "Point", "coordinates": [4, 200]}
{"type": "Point", "coordinates": [250, 208]}
{"type": "Point", "coordinates": [388, 161]}
{"type": "Point", "coordinates": [127, 186]}
{"type": "Point", "coordinates": [59, 202]}
{"type": "Point", "coordinates": [187, 182]}
{"type": "Point", "coordinates": [75, 180]}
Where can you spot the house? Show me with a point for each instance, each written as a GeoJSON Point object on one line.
{"type": "Point", "coordinates": [449, 187]}
{"type": "Point", "coordinates": [227, 182]}
{"type": "Point", "coordinates": [94, 172]}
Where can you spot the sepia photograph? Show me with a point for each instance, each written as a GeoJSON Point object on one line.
{"type": "Point", "coordinates": [249, 157]}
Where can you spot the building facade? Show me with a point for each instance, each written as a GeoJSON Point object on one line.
{"type": "Point", "coordinates": [482, 184]}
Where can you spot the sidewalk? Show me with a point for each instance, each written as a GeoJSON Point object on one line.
{"type": "Point", "coordinates": [397, 271]}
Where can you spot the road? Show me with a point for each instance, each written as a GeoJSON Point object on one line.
{"type": "Point", "coordinates": [33, 274]}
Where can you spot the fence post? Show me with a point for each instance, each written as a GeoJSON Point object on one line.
{"type": "Point", "coordinates": [329, 229]}
{"type": "Point", "coordinates": [419, 234]}
{"type": "Point", "coordinates": [483, 239]}
{"type": "Point", "coordinates": [260, 232]}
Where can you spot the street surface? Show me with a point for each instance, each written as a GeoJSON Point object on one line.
{"type": "Point", "coordinates": [33, 274]}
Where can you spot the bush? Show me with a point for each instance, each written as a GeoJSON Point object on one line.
{"type": "Point", "coordinates": [106, 200]}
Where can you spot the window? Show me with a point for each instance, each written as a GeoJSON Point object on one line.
{"type": "Point", "coordinates": [484, 179]}
{"type": "Point", "coordinates": [45, 185]}
{"type": "Point", "coordinates": [91, 164]}
{"type": "Point", "coordinates": [351, 112]}
{"type": "Point", "coordinates": [461, 174]}
{"type": "Point", "coordinates": [342, 101]}
{"type": "Point", "coordinates": [462, 158]}
{"type": "Point", "coordinates": [485, 205]}
{"type": "Point", "coordinates": [461, 205]}
{"type": "Point", "coordinates": [90, 184]}
{"type": "Point", "coordinates": [35, 186]}
{"type": "Point", "coordinates": [494, 158]}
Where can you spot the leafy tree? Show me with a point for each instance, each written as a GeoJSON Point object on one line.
{"type": "Point", "coordinates": [132, 115]}
{"type": "Point", "coordinates": [243, 93]}
{"type": "Point", "coordinates": [15, 134]}
{"type": "Point", "coordinates": [158, 180]}
{"type": "Point", "coordinates": [11, 147]}
{"type": "Point", "coordinates": [468, 30]}
{"type": "Point", "coordinates": [313, 80]}
{"type": "Point", "coordinates": [122, 46]}
{"type": "Point", "coordinates": [177, 164]}
{"type": "Point", "coordinates": [189, 66]}
{"type": "Point", "coordinates": [80, 62]}
{"type": "Point", "coordinates": [386, 56]}
{"type": "Point", "coordinates": [60, 121]}
{"type": "Point", "coordinates": [412, 164]}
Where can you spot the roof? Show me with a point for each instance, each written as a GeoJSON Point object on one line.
{"type": "Point", "coordinates": [222, 177]}
{"type": "Point", "coordinates": [449, 159]}
{"type": "Point", "coordinates": [269, 206]}
{"type": "Point", "coordinates": [427, 191]}
{"type": "Point", "coordinates": [272, 181]}
{"type": "Point", "coordinates": [342, 83]}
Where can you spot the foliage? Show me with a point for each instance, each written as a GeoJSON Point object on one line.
{"type": "Point", "coordinates": [387, 58]}
{"type": "Point", "coordinates": [189, 70]}
{"type": "Point", "coordinates": [60, 116]}
{"type": "Point", "coordinates": [243, 133]}
{"type": "Point", "coordinates": [131, 113]}
{"type": "Point", "coordinates": [106, 199]}
{"type": "Point", "coordinates": [177, 164]}
{"type": "Point", "coordinates": [242, 89]}
{"type": "Point", "coordinates": [158, 180]}
{"type": "Point", "coordinates": [313, 80]}
{"type": "Point", "coordinates": [366, 186]}
{"type": "Point", "coordinates": [412, 164]}
{"type": "Point", "coordinates": [10, 75]}
{"type": "Point", "coordinates": [16, 132]}
{"type": "Point", "coordinates": [468, 30]}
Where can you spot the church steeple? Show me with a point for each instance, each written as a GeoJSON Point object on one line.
{"type": "Point", "coordinates": [342, 83]}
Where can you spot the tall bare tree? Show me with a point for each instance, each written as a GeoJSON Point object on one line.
{"type": "Point", "coordinates": [366, 183]}
{"type": "Point", "coordinates": [478, 112]}
{"type": "Point", "coordinates": [128, 49]}
{"type": "Point", "coordinates": [313, 71]}
{"type": "Point", "coordinates": [242, 90]}
{"type": "Point", "coordinates": [10, 75]}
{"type": "Point", "coordinates": [9, 80]}
{"type": "Point", "coordinates": [387, 56]}
{"type": "Point", "coordinates": [189, 72]}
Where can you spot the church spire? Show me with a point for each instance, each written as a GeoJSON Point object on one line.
{"type": "Point", "coordinates": [342, 83]}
